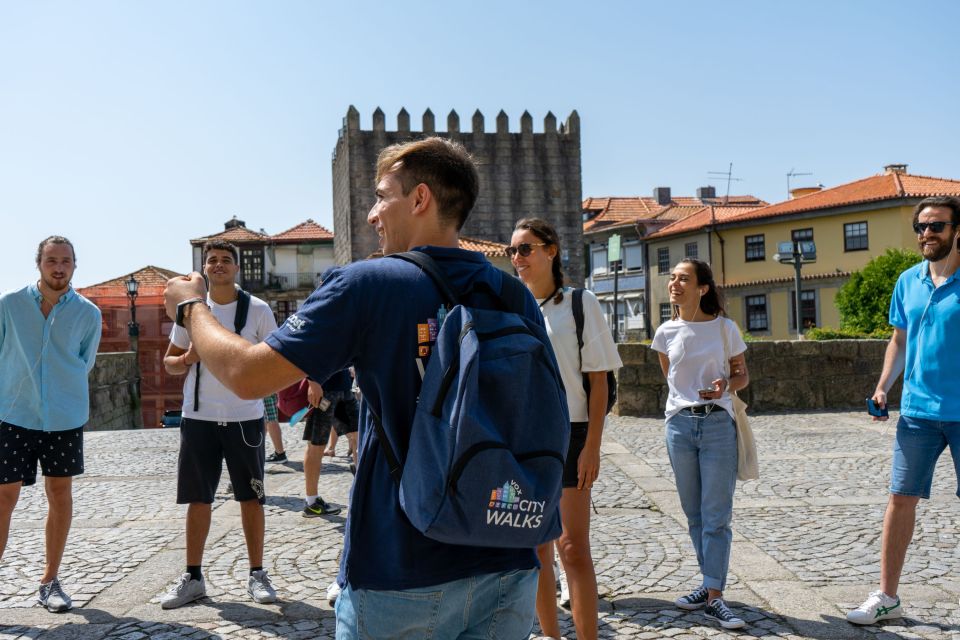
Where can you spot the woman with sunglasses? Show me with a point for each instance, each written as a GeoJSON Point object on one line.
{"type": "Point", "coordinates": [535, 253]}
{"type": "Point", "coordinates": [697, 348]}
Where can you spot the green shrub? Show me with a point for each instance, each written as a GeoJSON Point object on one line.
{"type": "Point", "coordinates": [828, 333]}
{"type": "Point", "coordinates": [864, 300]}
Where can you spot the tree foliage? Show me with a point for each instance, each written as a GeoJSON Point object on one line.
{"type": "Point", "coordinates": [864, 300]}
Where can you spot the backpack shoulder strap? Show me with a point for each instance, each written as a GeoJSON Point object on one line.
{"type": "Point", "coordinates": [430, 267]}
{"type": "Point", "coordinates": [243, 308]}
{"type": "Point", "coordinates": [576, 303]}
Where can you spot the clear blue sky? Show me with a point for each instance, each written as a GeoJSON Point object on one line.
{"type": "Point", "coordinates": [131, 127]}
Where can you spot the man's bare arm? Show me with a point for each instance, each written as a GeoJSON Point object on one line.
{"type": "Point", "coordinates": [893, 363]}
{"type": "Point", "coordinates": [251, 371]}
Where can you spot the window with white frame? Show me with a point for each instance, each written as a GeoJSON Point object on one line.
{"type": "Point", "coordinates": [665, 312]}
{"type": "Point", "coordinates": [663, 260]}
{"type": "Point", "coordinates": [757, 313]}
{"type": "Point", "coordinates": [598, 260]}
{"type": "Point", "coordinates": [633, 256]}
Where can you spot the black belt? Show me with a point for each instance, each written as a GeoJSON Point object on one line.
{"type": "Point", "coordinates": [700, 409]}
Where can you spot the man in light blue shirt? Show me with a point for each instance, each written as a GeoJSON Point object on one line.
{"type": "Point", "coordinates": [925, 314]}
{"type": "Point", "coordinates": [48, 342]}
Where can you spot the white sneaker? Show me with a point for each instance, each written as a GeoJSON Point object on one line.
{"type": "Point", "coordinates": [260, 589]}
{"type": "Point", "coordinates": [333, 592]}
{"type": "Point", "coordinates": [564, 590]}
{"type": "Point", "coordinates": [878, 606]}
{"type": "Point", "coordinates": [186, 590]}
{"type": "Point", "coordinates": [718, 611]}
{"type": "Point", "coordinates": [53, 597]}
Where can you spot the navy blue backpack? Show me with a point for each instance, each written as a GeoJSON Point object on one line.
{"type": "Point", "coordinates": [484, 465]}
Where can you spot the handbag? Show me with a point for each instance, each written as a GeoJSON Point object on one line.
{"type": "Point", "coordinates": [293, 398]}
{"type": "Point", "coordinates": [748, 466]}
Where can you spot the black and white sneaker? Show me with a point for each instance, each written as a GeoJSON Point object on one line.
{"type": "Point", "coordinates": [717, 610]}
{"type": "Point", "coordinates": [277, 457]}
{"type": "Point", "coordinates": [693, 600]}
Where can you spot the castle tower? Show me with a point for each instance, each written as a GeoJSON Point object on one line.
{"type": "Point", "coordinates": [521, 174]}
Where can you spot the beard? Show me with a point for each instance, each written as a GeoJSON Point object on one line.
{"type": "Point", "coordinates": [57, 285]}
{"type": "Point", "coordinates": [937, 253]}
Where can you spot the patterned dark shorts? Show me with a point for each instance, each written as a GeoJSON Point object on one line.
{"type": "Point", "coordinates": [60, 453]}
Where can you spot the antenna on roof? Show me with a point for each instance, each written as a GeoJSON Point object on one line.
{"type": "Point", "coordinates": [792, 174]}
{"type": "Point", "coordinates": [729, 174]}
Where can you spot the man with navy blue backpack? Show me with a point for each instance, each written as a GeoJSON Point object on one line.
{"type": "Point", "coordinates": [382, 316]}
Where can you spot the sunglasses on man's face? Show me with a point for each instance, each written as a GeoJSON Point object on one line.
{"type": "Point", "coordinates": [524, 248]}
{"type": "Point", "coordinates": [936, 227]}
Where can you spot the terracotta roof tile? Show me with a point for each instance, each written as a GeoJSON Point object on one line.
{"type": "Point", "coordinates": [152, 281]}
{"type": "Point", "coordinates": [236, 235]}
{"type": "Point", "coordinates": [699, 219]}
{"type": "Point", "coordinates": [785, 279]}
{"type": "Point", "coordinates": [486, 247]}
{"type": "Point", "coordinates": [612, 212]}
{"type": "Point", "coordinates": [877, 188]}
{"type": "Point", "coordinates": [305, 231]}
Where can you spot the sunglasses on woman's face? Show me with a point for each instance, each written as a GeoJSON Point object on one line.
{"type": "Point", "coordinates": [936, 227]}
{"type": "Point", "coordinates": [524, 248]}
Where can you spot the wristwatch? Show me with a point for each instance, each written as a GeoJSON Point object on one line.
{"type": "Point", "coordinates": [183, 307]}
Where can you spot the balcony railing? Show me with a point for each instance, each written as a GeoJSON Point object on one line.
{"type": "Point", "coordinates": [299, 280]}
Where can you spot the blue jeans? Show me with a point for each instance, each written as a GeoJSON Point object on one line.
{"type": "Point", "coordinates": [918, 445]}
{"type": "Point", "coordinates": [493, 605]}
{"type": "Point", "coordinates": [703, 454]}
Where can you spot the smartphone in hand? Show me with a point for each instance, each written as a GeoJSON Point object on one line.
{"type": "Point", "coordinates": [703, 392]}
{"type": "Point", "coordinates": [876, 411]}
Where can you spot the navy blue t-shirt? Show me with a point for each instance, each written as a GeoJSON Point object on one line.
{"type": "Point", "coordinates": [340, 381]}
{"type": "Point", "coordinates": [380, 315]}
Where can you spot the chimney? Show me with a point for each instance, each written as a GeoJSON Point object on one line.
{"type": "Point", "coordinates": [704, 193]}
{"type": "Point", "coordinates": [662, 195]}
{"type": "Point", "coordinates": [233, 223]}
{"type": "Point", "coordinates": [890, 169]}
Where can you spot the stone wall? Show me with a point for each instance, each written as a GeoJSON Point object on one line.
{"type": "Point", "coordinates": [114, 393]}
{"type": "Point", "coordinates": [784, 376]}
{"type": "Point", "coordinates": [521, 174]}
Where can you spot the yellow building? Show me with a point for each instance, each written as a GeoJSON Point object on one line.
{"type": "Point", "coordinates": [850, 225]}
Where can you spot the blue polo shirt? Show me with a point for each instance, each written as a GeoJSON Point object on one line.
{"type": "Point", "coordinates": [381, 315]}
{"type": "Point", "coordinates": [44, 362]}
{"type": "Point", "coordinates": [931, 318]}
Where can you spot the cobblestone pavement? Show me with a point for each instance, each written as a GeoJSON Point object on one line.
{"type": "Point", "coordinates": [806, 543]}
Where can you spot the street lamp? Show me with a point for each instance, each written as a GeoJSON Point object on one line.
{"type": "Point", "coordinates": [133, 327]}
{"type": "Point", "coordinates": [797, 253]}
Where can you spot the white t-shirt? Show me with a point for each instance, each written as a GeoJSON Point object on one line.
{"type": "Point", "coordinates": [696, 354]}
{"type": "Point", "coordinates": [599, 351]}
{"type": "Point", "coordinates": [217, 403]}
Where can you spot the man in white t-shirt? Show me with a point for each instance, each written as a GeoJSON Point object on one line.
{"type": "Point", "coordinates": [218, 426]}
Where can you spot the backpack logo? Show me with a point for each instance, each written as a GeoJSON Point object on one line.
{"type": "Point", "coordinates": [506, 500]}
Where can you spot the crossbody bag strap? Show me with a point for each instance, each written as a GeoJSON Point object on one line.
{"type": "Point", "coordinates": [576, 304]}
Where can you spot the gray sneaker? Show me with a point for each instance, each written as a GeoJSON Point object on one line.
{"type": "Point", "coordinates": [53, 598]}
{"type": "Point", "coordinates": [185, 591]}
{"type": "Point", "coordinates": [260, 589]}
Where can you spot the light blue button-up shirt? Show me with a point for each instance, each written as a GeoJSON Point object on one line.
{"type": "Point", "coordinates": [931, 317]}
{"type": "Point", "coordinates": [44, 362]}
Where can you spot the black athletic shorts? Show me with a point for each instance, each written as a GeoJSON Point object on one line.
{"type": "Point", "coordinates": [342, 414]}
{"type": "Point", "coordinates": [578, 438]}
{"type": "Point", "coordinates": [205, 445]}
{"type": "Point", "coordinates": [60, 453]}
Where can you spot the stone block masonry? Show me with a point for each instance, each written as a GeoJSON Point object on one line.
{"type": "Point", "coordinates": [521, 174]}
{"type": "Point", "coordinates": [115, 392]}
{"type": "Point", "coordinates": [784, 376]}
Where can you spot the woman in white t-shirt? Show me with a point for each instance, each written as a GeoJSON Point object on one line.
{"type": "Point", "coordinates": [535, 253]}
{"type": "Point", "coordinates": [697, 348]}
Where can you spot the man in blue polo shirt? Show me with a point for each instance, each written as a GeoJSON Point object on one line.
{"type": "Point", "coordinates": [377, 315]}
{"type": "Point", "coordinates": [48, 342]}
{"type": "Point", "coordinates": [925, 314]}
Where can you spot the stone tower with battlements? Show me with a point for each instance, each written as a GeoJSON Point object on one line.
{"type": "Point", "coordinates": [521, 174]}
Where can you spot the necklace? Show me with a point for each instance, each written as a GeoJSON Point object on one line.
{"type": "Point", "coordinates": [549, 297]}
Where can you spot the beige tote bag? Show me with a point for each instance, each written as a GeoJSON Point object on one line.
{"type": "Point", "coordinates": [748, 467]}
